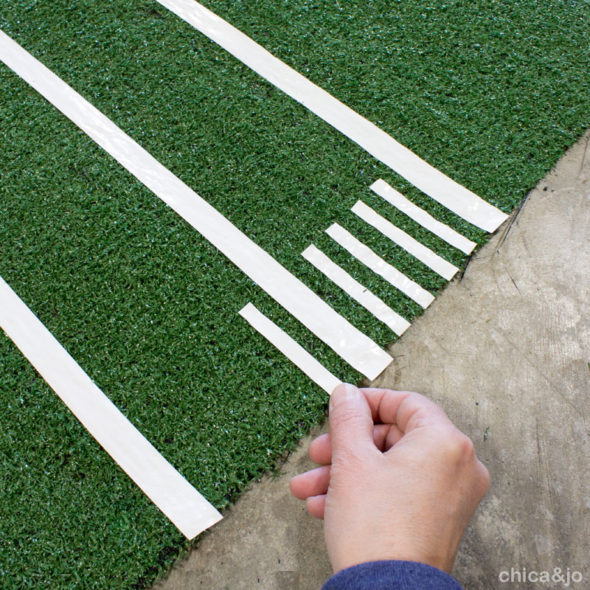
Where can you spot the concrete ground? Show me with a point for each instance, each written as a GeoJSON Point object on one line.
{"type": "Point", "coordinates": [506, 351]}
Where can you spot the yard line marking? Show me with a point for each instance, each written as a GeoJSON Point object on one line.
{"type": "Point", "coordinates": [162, 484]}
{"type": "Point", "coordinates": [367, 135]}
{"type": "Point", "coordinates": [351, 344]}
{"type": "Point", "coordinates": [290, 348]}
{"type": "Point", "coordinates": [401, 238]}
{"type": "Point", "coordinates": [354, 289]}
{"type": "Point", "coordinates": [374, 262]}
{"type": "Point", "coordinates": [420, 216]}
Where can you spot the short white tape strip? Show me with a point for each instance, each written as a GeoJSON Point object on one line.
{"type": "Point", "coordinates": [393, 276]}
{"type": "Point", "coordinates": [403, 240]}
{"type": "Point", "coordinates": [163, 485]}
{"type": "Point", "coordinates": [354, 289]}
{"type": "Point", "coordinates": [291, 349]}
{"type": "Point", "coordinates": [351, 344]}
{"type": "Point", "coordinates": [364, 133]}
{"type": "Point", "coordinates": [443, 231]}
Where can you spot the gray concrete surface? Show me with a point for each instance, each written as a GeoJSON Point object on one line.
{"type": "Point", "coordinates": [506, 352]}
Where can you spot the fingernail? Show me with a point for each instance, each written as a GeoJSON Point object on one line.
{"type": "Point", "coordinates": [344, 392]}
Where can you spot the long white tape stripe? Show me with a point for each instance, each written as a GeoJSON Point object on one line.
{"type": "Point", "coordinates": [354, 289]}
{"type": "Point", "coordinates": [351, 344]}
{"type": "Point", "coordinates": [374, 262]}
{"type": "Point", "coordinates": [372, 139]}
{"type": "Point", "coordinates": [165, 486]}
{"type": "Point", "coordinates": [290, 348]}
{"type": "Point", "coordinates": [420, 216]}
{"type": "Point", "coordinates": [401, 238]}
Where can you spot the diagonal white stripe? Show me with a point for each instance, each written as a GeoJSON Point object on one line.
{"type": "Point", "coordinates": [290, 348]}
{"type": "Point", "coordinates": [401, 238]}
{"type": "Point", "coordinates": [354, 289]}
{"type": "Point", "coordinates": [364, 133]}
{"type": "Point", "coordinates": [351, 344]}
{"type": "Point", "coordinates": [393, 276]}
{"type": "Point", "coordinates": [420, 216]}
{"type": "Point", "coordinates": [165, 486]}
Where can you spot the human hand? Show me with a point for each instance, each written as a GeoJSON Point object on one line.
{"type": "Point", "coordinates": [397, 479]}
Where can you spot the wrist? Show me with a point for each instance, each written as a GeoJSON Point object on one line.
{"type": "Point", "coordinates": [406, 575]}
{"type": "Point", "coordinates": [439, 554]}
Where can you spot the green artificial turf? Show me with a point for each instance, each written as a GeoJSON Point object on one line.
{"type": "Point", "coordinates": [491, 93]}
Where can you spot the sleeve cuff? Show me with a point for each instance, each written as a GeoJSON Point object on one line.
{"type": "Point", "coordinates": [392, 575]}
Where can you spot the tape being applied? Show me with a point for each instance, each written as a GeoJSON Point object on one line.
{"type": "Point", "coordinates": [290, 348]}
{"type": "Point", "coordinates": [163, 485]}
{"type": "Point", "coordinates": [371, 260]}
{"type": "Point", "coordinates": [364, 133]}
{"type": "Point", "coordinates": [348, 342]}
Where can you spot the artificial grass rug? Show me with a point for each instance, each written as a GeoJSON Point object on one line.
{"type": "Point", "coordinates": [149, 309]}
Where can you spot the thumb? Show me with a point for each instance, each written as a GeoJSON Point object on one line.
{"type": "Point", "coordinates": [351, 422]}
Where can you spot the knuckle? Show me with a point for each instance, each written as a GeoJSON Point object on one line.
{"type": "Point", "coordinates": [483, 479]}
{"type": "Point", "coordinates": [466, 447]}
{"type": "Point", "coordinates": [459, 447]}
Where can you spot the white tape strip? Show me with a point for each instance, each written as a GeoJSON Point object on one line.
{"type": "Point", "coordinates": [165, 487]}
{"type": "Point", "coordinates": [372, 139]}
{"type": "Point", "coordinates": [291, 349]}
{"type": "Point", "coordinates": [420, 216]}
{"type": "Point", "coordinates": [354, 289]}
{"type": "Point", "coordinates": [351, 344]}
{"type": "Point", "coordinates": [393, 276]}
{"type": "Point", "coordinates": [401, 238]}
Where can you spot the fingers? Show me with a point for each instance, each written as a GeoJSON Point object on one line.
{"type": "Point", "coordinates": [384, 437]}
{"type": "Point", "coordinates": [320, 450]}
{"type": "Point", "coordinates": [316, 505]}
{"type": "Point", "coordinates": [310, 483]}
{"type": "Point", "coordinates": [312, 486]}
{"type": "Point", "coordinates": [405, 409]}
{"type": "Point", "coordinates": [351, 423]}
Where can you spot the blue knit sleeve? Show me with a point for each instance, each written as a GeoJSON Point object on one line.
{"type": "Point", "coordinates": [391, 575]}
